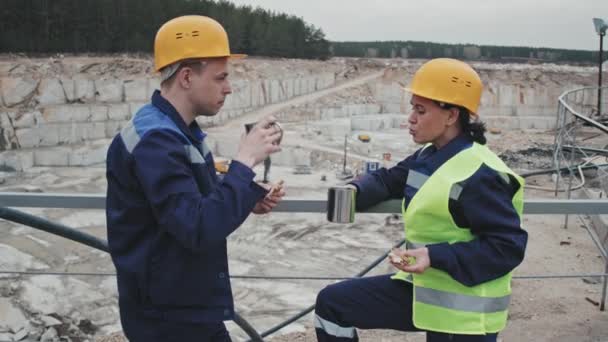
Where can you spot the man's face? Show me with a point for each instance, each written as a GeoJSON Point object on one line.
{"type": "Point", "coordinates": [210, 87]}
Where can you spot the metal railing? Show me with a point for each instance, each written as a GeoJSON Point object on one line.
{"type": "Point", "coordinates": [97, 201]}
{"type": "Point", "coordinates": [578, 120]}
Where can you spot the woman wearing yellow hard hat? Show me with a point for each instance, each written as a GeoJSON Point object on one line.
{"type": "Point", "coordinates": [462, 210]}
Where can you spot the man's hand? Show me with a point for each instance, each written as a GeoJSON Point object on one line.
{"type": "Point", "coordinates": [259, 143]}
{"type": "Point", "coordinates": [411, 260]}
{"type": "Point", "coordinates": [274, 196]}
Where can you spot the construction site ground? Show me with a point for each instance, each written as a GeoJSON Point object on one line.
{"type": "Point", "coordinates": [298, 244]}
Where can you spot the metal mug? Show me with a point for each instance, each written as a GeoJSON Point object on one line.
{"type": "Point", "coordinates": [341, 204]}
{"type": "Point", "coordinates": [249, 126]}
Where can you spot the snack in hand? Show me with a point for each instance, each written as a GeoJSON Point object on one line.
{"type": "Point", "coordinates": [395, 259]}
{"type": "Point", "coordinates": [275, 189]}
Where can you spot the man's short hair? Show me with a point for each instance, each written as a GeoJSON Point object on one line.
{"type": "Point", "coordinates": [167, 74]}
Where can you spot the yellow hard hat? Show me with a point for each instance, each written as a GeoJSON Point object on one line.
{"type": "Point", "coordinates": [450, 81]}
{"type": "Point", "coordinates": [190, 36]}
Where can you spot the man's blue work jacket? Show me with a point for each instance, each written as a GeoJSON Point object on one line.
{"type": "Point", "coordinates": [169, 215]}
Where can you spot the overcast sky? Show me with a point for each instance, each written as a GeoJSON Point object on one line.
{"type": "Point", "coordinates": [538, 23]}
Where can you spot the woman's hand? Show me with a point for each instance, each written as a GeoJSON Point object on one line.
{"type": "Point", "coordinates": [410, 260]}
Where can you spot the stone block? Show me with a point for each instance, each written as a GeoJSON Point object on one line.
{"type": "Point", "coordinates": [26, 120]}
{"type": "Point", "coordinates": [66, 113]}
{"type": "Point", "coordinates": [99, 113]}
{"type": "Point", "coordinates": [90, 131]}
{"type": "Point", "coordinates": [50, 92]}
{"type": "Point", "coordinates": [49, 134]}
{"type": "Point", "coordinates": [16, 160]}
{"type": "Point", "coordinates": [28, 137]}
{"type": "Point", "coordinates": [114, 127]}
{"type": "Point", "coordinates": [137, 90]}
{"type": "Point", "coordinates": [89, 155]}
{"type": "Point", "coordinates": [55, 156]}
{"type": "Point", "coordinates": [153, 84]}
{"type": "Point", "coordinates": [109, 90]}
{"type": "Point", "coordinates": [371, 123]}
{"type": "Point", "coordinates": [7, 131]}
{"type": "Point", "coordinates": [17, 90]}
{"type": "Point", "coordinates": [332, 128]}
{"type": "Point", "coordinates": [119, 111]}
{"type": "Point", "coordinates": [84, 90]}
{"type": "Point", "coordinates": [69, 89]}
{"type": "Point", "coordinates": [134, 107]}
{"type": "Point", "coordinates": [536, 122]}
{"type": "Point", "coordinates": [290, 156]}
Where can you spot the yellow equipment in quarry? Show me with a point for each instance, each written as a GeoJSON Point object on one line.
{"type": "Point", "coordinates": [364, 138]}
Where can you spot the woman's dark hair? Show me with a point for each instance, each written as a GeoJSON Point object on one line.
{"type": "Point", "coordinates": [473, 129]}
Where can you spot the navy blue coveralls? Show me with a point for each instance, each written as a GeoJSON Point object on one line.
{"type": "Point", "coordinates": [168, 218]}
{"type": "Point", "coordinates": [484, 206]}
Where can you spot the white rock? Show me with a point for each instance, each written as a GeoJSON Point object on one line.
{"type": "Point", "coordinates": [57, 156]}
{"type": "Point", "coordinates": [50, 321]}
{"type": "Point", "coordinates": [114, 127]}
{"type": "Point", "coordinates": [109, 90]}
{"type": "Point", "coordinates": [69, 88]}
{"type": "Point", "coordinates": [48, 134]}
{"type": "Point", "coordinates": [103, 316]}
{"type": "Point", "coordinates": [99, 113]}
{"type": "Point", "coordinates": [49, 294]}
{"type": "Point", "coordinates": [16, 160]}
{"type": "Point", "coordinates": [51, 92]}
{"type": "Point", "coordinates": [17, 90]}
{"type": "Point", "coordinates": [137, 90]}
{"type": "Point", "coordinates": [153, 84]}
{"type": "Point", "coordinates": [119, 112]}
{"type": "Point", "coordinates": [26, 120]}
{"type": "Point", "coordinates": [49, 336]}
{"type": "Point", "coordinates": [134, 107]}
{"type": "Point", "coordinates": [11, 316]}
{"type": "Point", "coordinates": [88, 156]}
{"type": "Point", "coordinates": [28, 137]}
{"type": "Point", "coordinates": [67, 113]}
{"type": "Point", "coordinates": [84, 90]}
{"type": "Point", "coordinates": [7, 132]}
{"type": "Point", "coordinates": [23, 333]}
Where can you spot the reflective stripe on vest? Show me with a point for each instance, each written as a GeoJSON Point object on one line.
{"type": "Point", "coordinates": [416, 180]}
{"type": "Point", "coordinates": [131, 138]}
{"type": "Point", "coordinates": [194, 155]}
{"type": "Point", "coordinates": [457, 301]}
{"type": "Point", "coordinates": [461, 302]}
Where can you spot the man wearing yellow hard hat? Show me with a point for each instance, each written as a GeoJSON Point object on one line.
{"type": "Point", "coordinates": [168, 214]}
{"type": "Point", "coordinates": [462, 210]}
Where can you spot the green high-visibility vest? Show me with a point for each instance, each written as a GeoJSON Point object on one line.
{"type": "Point", "coordinates": [440, 302]}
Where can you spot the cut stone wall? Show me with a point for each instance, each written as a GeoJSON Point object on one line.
{"type": "Point", "coordinates": [52, 121]}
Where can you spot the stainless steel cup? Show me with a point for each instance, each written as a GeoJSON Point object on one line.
{"type": "Point", "coordinates": [341, 204]}
{"type": "Point", "coordinates": [275, 124]}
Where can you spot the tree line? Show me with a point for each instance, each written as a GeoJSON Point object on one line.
{"type": "Point", "coordinates": [119, 26]}
{"type": "Point", "coordinates": [112, 26]}
{"type": "Point", "coordinates": [417, 49]}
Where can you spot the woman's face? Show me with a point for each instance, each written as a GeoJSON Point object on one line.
{"type": "Point", "coordinates": [429, 123]}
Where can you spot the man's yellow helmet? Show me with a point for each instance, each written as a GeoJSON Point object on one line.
{"type": "Point", "coordinates": [190, 37]}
